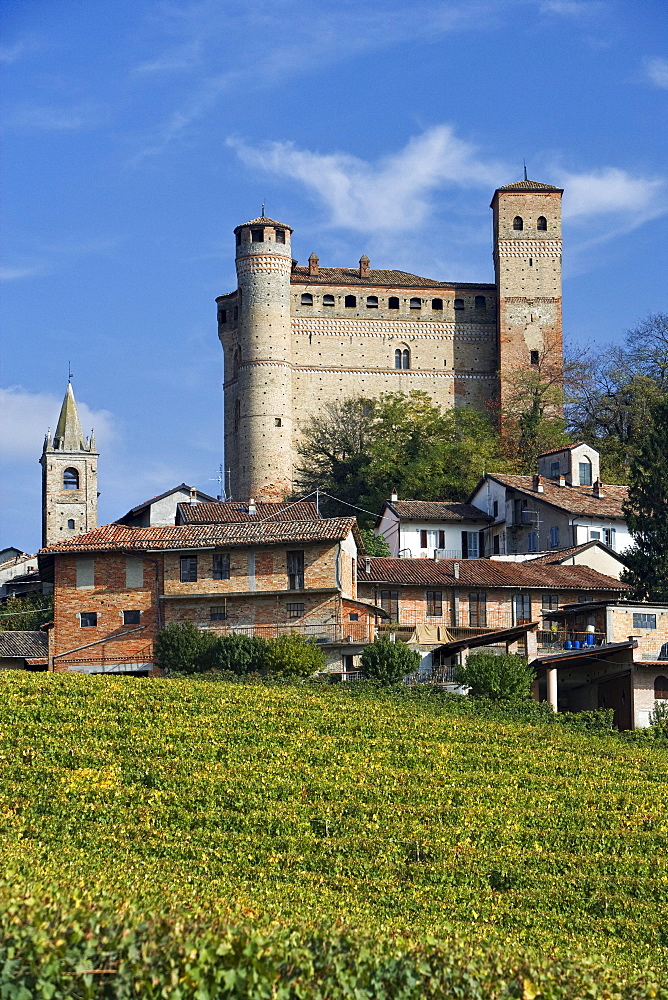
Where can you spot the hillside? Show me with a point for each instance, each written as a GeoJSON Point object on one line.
{"type": "Point", "coordinates": [389, 813]}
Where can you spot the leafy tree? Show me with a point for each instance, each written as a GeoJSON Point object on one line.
{"type": "Point", "coordinates": [239, 654]}
{"type": "Point", "coordinates": [388, 662]}
{"type": "Point", "coordinates": [506, 677]}
{"type": "Point", "coordinates": [293, 656]}
{"type": "Point", "coordinates": [26, 614]}
{"type": "Point", "coordinates": [181, 647]}
{"type": "Point", "coordinates": [647, 509]}
{"type": "Point", "coordinates": [375, 545]}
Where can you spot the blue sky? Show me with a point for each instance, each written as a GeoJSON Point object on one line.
{"type": "Point", "coordinates": [138, 134]}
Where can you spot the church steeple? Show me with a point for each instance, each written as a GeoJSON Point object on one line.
{"type": "Point", "coordinates": [69, 477]}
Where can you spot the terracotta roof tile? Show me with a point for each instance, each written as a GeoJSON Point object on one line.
{"type": "Point", "coordinates": [527, 185]}
{"type": "Point", "coordinates": [262, 220]}
{"type": "Point", "coordinates": [565, 447]}
{"type": "Point", "coordinates": [439, 510]}
{"type": "Point", "coordinates": [484, 573]}
{"type": "Point", "coordinates": [375, 276]}
{"type": "Point", "coordinates": [572, 499]}
{"type": "Point", "coordinates": [231, 511]}
{"type": "Point", "coordinates": [26, 644]}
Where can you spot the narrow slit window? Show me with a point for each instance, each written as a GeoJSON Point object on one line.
{"type": "Point", "coordinates": [397, 358]}
{"type": "Point", "coordinates": [405, 358]}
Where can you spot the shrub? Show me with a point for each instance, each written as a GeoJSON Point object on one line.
{"type": "Point", "coordinates": [181, 647]}
{"type": "Point", "coordinates": [506, 677]}
{"type": "Point", "coordinates": [658, 719]}
{"type": "Point", "coordinates": [389, 662]}
{"type": "Point", "coordinates": [238, 654]}
{"type": "Point", "coordinates": [293, 656]}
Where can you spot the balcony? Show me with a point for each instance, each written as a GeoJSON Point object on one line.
{"type": "Point", "coordinates": [555, 640]}
{"type": "Point", "coordinates": [334, 633]}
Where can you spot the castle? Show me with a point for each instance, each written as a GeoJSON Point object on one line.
{"type": "Point", "coordinates": [297, 338]}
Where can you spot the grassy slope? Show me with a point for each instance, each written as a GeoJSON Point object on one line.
{"type": "Point", "coordinates": [315, 804]}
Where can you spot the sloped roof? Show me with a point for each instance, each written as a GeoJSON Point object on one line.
{"type": "Point", "coordinates": [197, 536]}
{"type": "Point", "coordinates": [438, 510]}
{"type": "Point", "coordinates": [161, 496]}
{"type": "Point", "coordinates": [231, 511]}
{"type": "Point", "coordinates": [564, 447]}
{"type": "Point", "coordinates": [25, 644]}
{"type": "Point", "coordinates": [484, 573]}
{"type": "Point", "coordinates": [571, 499]}
{"type": "Point", "coordinates": [376, 276]}
{"type": "Point", "coordinates": [262, 220]}
{"type": "Point", "coordinates": [559, 555]}
{"type": "Point", "coordinates": [527, 185]}
{"type": "Point", "coordinates": [68, 435]}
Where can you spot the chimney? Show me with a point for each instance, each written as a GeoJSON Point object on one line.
{"type": "Point", "coordinates": [367, 564]}
{"type": "Point", "coordinates": [394, 496]}
{"type": "Point", "coordinates": [364, 266]}
{"type": "Point", "coordinates": [455, 570]}
{"type": "Point", "coordinates": [193, 496]}
{"type": "Point", "coordinates": [313, 262]}
{"type": "Point", "coordinates": [597, 488]}
{"type": "Point", "coordinates": [537, 485]}
{"type": "Point", "coordinates": [252, 509]}
{"type": "Point", "coordinates": [561, 481]}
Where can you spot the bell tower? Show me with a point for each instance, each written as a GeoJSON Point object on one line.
{"type": "Point", "coordinates": [69, 477]}
{"type": "Point", "coordinates": [527, 265]}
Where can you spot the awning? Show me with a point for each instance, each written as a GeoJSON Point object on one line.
{"type": "Point", "coordinates": [487, 638]}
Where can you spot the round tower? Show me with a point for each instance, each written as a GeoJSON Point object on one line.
{"type": "Point", "coordinates": [258, 362]}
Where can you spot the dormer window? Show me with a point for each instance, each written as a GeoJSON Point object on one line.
{"type": "Point", "coordinates": [257, 235]}
{"type": "Point", "coordinates": [70, 479]}
{"type": "Point", "coordinates": [307, 299]}
{"type": "Point", "coordinates": [518, 223]}
{"type": "Point", "coordinates": [437, 304]}
{"type": "Point", "coordinates": [372, 301]}
{"type": "Point", "coordinates": [541, 224]}
{"type": "Point", "coordinates": [585, 472]}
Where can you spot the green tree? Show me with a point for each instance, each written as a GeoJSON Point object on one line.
{"type": "Point", "coordinates": [375, 545]}
{"type": "Point", "coordinates": [239, 654]}
{"type": "Point", "coordinates": [26, 614]}
{"type": "Point", "coordinates": [181, 647]}
{"type": "Point", "coordinates": [647, 509]}
{"type": "Point", "coordinates": [293, 656]}
{"type": "Point", "coordinates": [506, 677]}
{"type": "Point", "coordinates": [388, 662]}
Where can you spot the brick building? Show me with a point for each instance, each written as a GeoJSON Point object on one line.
{"type": "Point", "coordinates": [296, 338]}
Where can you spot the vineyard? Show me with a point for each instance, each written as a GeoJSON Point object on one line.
{"type": "Point", "coordinates": [375, 812]}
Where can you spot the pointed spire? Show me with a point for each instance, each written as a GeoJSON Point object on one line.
{"type": "Point", "coordinates": [69, 436]}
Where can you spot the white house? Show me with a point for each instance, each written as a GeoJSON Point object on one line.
{"type": "Point", "coordinates": [418, 529]}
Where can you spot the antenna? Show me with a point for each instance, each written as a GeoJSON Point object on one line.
{"type": "Point", "coordinates": [70, 373]}
{"type": "Point", "coordinates": [220, 479]}
{"type": "Point", "coordinates": [263, 210]}
{"type": "Point", "coordinates": [525, 170]}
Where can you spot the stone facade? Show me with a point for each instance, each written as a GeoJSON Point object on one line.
{"type": "Point", "coordinates": [297, 338]}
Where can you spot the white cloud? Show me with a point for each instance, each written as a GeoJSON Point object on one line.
{"type": "Point", "coordinates": [16, 273]}
{"type": "Point", "coordinates": [611, 191]}
{"type": "Point", "coordinates": [569, 8]}
{"type": "Point", "coordinates": [394, 193]}
{"type": "Point", "coordinates": [26, 416]}
{"type": "Point", "coordinates": [49, 118]}
{"type": "Point", "coordinates": [657, 72]}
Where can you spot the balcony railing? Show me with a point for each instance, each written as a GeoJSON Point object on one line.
{"type": "Point", "coordinates": [100, 661]}
{"type": "Point", "coordinates": [558, 640]}
{"type": "Point", "coordinates": [327, 632]}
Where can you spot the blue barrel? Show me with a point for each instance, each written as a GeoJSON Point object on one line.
{"type": "Point", "coordinates": [568, 644]}
{"type": "Point", "coordinates": [590, 638]}
{"type": "Point", "coordinates": [577, 644]}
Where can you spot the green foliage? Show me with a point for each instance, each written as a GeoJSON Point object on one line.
{"type": "Point", "coordinates": [293, 656]}
{"type": "Point", "coordinates": [507, 677]}
{"type": "Point", "coordinates": [388, 662]}
{"type": "Point", "coordinates": [533, 406]}
{"type": "Point", "coordinates": [26, 614]}
{"type": "Point", "coordinates": [181, 647]}
{"type": "Point", "coordinates": [658, 719]}
{"type": "Point", "coordinates": [646, 509]}
{"type": "Point", "coordinates": [375, 545]}
{"type": "Point", "coordinates": [238, 654]}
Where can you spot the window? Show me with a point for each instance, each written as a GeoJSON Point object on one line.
{"type": "Point", "coordinates": [555, 470]}
{"type": "Point", "coordinates": [307, 299]}
{"type": "Point", "coordinates": [609, 537]}
{"type": "Point", "coordinates": [554, 537]}
{"type": "Point", "coordinates": [238, 235]}
{"type": "Point", "coordinates": [437, 304]}
{"type": "Point", "coordinates": [459, 303]}
{"type": "Point", "coordinates": [550, 602]}
{"type": "Point", "coordinates": [522, 609]}
{"type": "Point", "coordinates": [532, 541]}
{"type": "Point", "coordinates": [495, 508]}
{"type": "Point", "coordinates": [85, 571]}
{"type": "Point", "coordinates": [278, 422]}
{"type": "Point", "coordinates": [397, 358]}
{"type": "Point", "coordinates": [415, 303]}
{"type": "Point", "coordinates": [405, 358]}
{"type": "Point", "coordinates": [88, 619]}
{"type": "Point", "coordinates": [643, 621]}
{"type": "Point", "coordinates": [131, 617]}
{"type": "Point", "coordinates": [518, 223]}
{"type": "Point", "coordinates": [478, 609]}
{"type": "Point", "coordinates": [585, 599]}
{"type": "Point", "coordinates": [217, 613]}
{"type": "Point", "coordinates": [353, 616]}
{"type": "Point", "coordinates": [594, 536]}
{"type": "Point", "coordinates": [257, 235]}
{"type": "Point", "coordinates": [389, 602]}
{"type": "Point", "coordinates": [541, 224]}
{"type": "Point", "coordinates": [295, 570]}
{"type": "Point", "coordinates": [480, 302]}
{"type": "Point", "coordinates": [134, 571]}
{"type": "Point", "coordinates": [434, 604]}
{"type": "Point", "coordinates": [70, 523]}
{"type": "Point", "coordinates": [295, 610]}
{"type": "Point", "coordinates": [280, 235]}
{"type": "Point", "coordinates": [441, 539]}
{"type": "Point", "coordinates": [428, 539]}
{"type": "Point", "coordinates": [393, 302]}
{"type": "Point", "coordinates": [350, 301]}
{"type": "Point", "coordinates": [328, 300]}
{"type": "Point", "coordinates": [237, 416]}
{"type": "Point", "coordinates": [661, 687]}
{"type": "Point", "coordinates": [470, 545]}
{"type": "Point", "coordinates": [188, 572]}
{"type": "Point", "coordinates": [585, 472]}
{"type": "Point", "coordinates": [534, 357]}
{"type": "Point", "coordinates": [496, 545]}
{"type": "Point", "coordinates": [520, 511]}
{"type": "Point", "coordinates": [222, 315]}
{"type": "Point", "coordinates": [372, 301]}
{"type": "Point", "coordinates": [221, 566]}
{"type": "Point", "coordinates": [70, 479]}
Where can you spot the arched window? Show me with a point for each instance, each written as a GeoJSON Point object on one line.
{"type": "Point", "coordinates": [372, 301]}
{"type": "Point", "coordinates": [350, 301]}
{"type": "Point", "coordinates": [585, 472]}
{"type": "Point", "coordinates": [405, 358]}
{"type": "Point", "coordinates": [518, 222]}
{"type": "Point", "coordinates": [237, 416]}
{"type": "Point", "coordinates": [437, 303]}
{"type": "Point", "coordinates": [541, 224]}
{"type": "Point", "coordinates": [328, 300]}
{"type": "Point", "coordinates": [307, 299]}
{"type": "Point", "coordinates": [415, 303]}
{"type": "Point", "coordinates": [70, 523]}
{"type": "Point", "coordinates": [393, 302]}
{"type": "Point", "coordinates": [459, 303]}
{"type": "Point", "coordinates": [397, 358]}
{"type": "Point", "coordinates": [661, 688]}
{"type": "Point", "coordinates": [70, 479]}
{"type": "Point", "coordinates": [480, 302]}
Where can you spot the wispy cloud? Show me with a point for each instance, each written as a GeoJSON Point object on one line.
{"type": "Point", "coordinates": [26, 416]}
{"type": "Point", "coordinates": [570, 8]}
{"type": "Point", "coordinates": [613, 192]}
{"type": "Point", "coordinates": [51, 118]}
{"type": "Point", "coordinates": [394, 193]}
{"type": "Point", "coordinates": [24, 46]}
{"type": "Point", "coordinates": [17, 273]}
{"type": "Point", "coordinates": [657, 72]}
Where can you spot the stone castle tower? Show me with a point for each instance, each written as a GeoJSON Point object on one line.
{"type": "Point", "coordinates": [297, 338]}
{"type": "Point", "coordinates": [69, 477]}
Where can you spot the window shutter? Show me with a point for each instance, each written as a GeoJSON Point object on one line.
{"type": "Point", "coordinates": [465, 545]}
